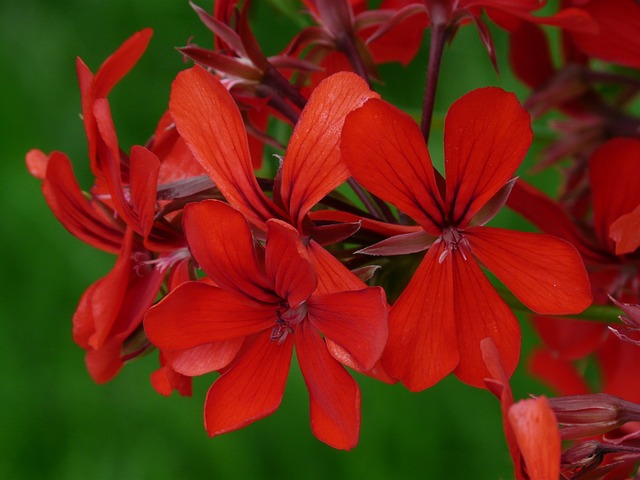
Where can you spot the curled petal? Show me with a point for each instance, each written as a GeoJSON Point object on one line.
{"type": "Point", "coordinates": [78, 215]}
{"type": "Point", "coordinates": [205, 358]}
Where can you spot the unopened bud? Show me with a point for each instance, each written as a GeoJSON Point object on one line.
{"type": "Point", "coordinates": [585, 415]}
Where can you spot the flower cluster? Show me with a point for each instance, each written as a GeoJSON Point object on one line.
{"type": "Point", "coordinates": [351, 246]}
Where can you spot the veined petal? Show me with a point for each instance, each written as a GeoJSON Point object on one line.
{"type": "Point", "coordinates": [221, 241]}
{"type": "Point", "coordinates": [287, 264]}
{"type": "Point", "coordinates": [385, 152]}
{"type": "Point", "coordinates": [334, 395]}
{"type": "Point", "coordinates": [486, 136]}
{"type": "Point", "coordinates": [422, 347]}
{"type": "Point", "coordinates": [481, 313]}
{"type": "Point", "coordinates": [196, 314]}
{"type": "Point", "coordinates": [613, 174]}
{"type": "Point", "coordinates": [333, 276]}
{"type": "Point", "coordinates": [312, 166]}
{"type": "Point", "coordinates": [252, 388]}
{"type": "Point", "coordinates": [355, 320]}
{"type": "Point", "coordinates": [544, 272]}
{"type": "Point", "coordinates": [210, 123]}
{"type": "Point", "coordinates": [536, 430]}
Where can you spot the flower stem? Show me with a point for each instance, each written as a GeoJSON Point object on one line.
{"type": "Point", "coordinates": [439, 34]}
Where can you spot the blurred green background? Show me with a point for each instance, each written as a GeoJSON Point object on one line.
{"type": "Point", "coordinates": [54, 421]}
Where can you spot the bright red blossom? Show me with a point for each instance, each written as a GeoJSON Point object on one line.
{"type": "Point", "coordinates": [449, 306]}
{"type": "Point", "coordinates": [267, 308]}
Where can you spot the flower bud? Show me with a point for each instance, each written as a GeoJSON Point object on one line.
{"type": "Point", "coordinates": [586, 415]}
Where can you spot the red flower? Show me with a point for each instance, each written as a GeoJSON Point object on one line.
{"type": "Point", "coordinates": [271, 307]}
{"type": "Point", "coordinates": [119, 216]}
{"type": "Point", "coordinates": [449, 306]}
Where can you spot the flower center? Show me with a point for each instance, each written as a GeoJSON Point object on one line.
{"type": "Point", "coordinates": [453, 240]}
{"type": "Point", "coordinates": [287, 318]}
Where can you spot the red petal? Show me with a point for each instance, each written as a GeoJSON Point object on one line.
{"type": "Point", "coordinates": [287, 264]}
{"type": "Point", "coordinates": [210, 123]}
{"type": "Point", "coordinates": [619, 377]}
{"type": "Point", "coordinates": [625, 231]}
{"type": "Point", "coordinates": [37, 162]}
{"type": "Point", "coordinates": [487, 134]}
{"type": "Point", "coordinates": [549, 216]}
{"type": "Point", "coordinates": [98, 306]}
{"type": "Point", "coordinates": [617, 39]}
{"type": "Point", "coordinates": [333, 276]}
{"type": "Point", "coordinates": [73, 210]}
{"type": "Point", "coordinates": [568, 338]}
{"type": "Point", "coordinates": [356, 321]}
{"type": "Point", "coordinates": [114, 68]}
{"type": "Point", "coordinates": [544, 272]}
{"type": "Point", "coordinates": [385, 152]}
{"type": "Point", "coordinates": [613, 173]}
{"type": "Point", "coordinates": [530, 56]}
{"type": "Point", "coordinates": [312, 166]}
{"type": "Point", "coordinates": [220, 240]}
{"type": "Point", "coordinates": [251, 389]}
{"type": "Point", "coordinates": [481, 313]}
{"type": "Point", "coordinates": [557, 373]}
{"type": "Point", "coordinates": [195, 314]}
{"type": "Point", "coordinates": [204, 358]}
{"type": "Point", "coordinates": [334, 396]}
{"type": "Point", "coordinates": [165, 380]}
{"type": "Point", "coordinates": [536, 430]}
{"type": "Point", "coordinates": [422, 347]}
{"type": "Point", "coordinates": [105, 363]}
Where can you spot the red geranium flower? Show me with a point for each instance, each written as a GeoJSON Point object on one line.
{"type": "Point", "coordinates": [270, 307]}
{"type": "Point", "coordinates": [449, 305]}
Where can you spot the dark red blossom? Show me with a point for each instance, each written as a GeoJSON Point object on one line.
{"type": "Point", "coordinates": [449, 306]}
{"type": "Point", "coordinates": [269, 308]}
